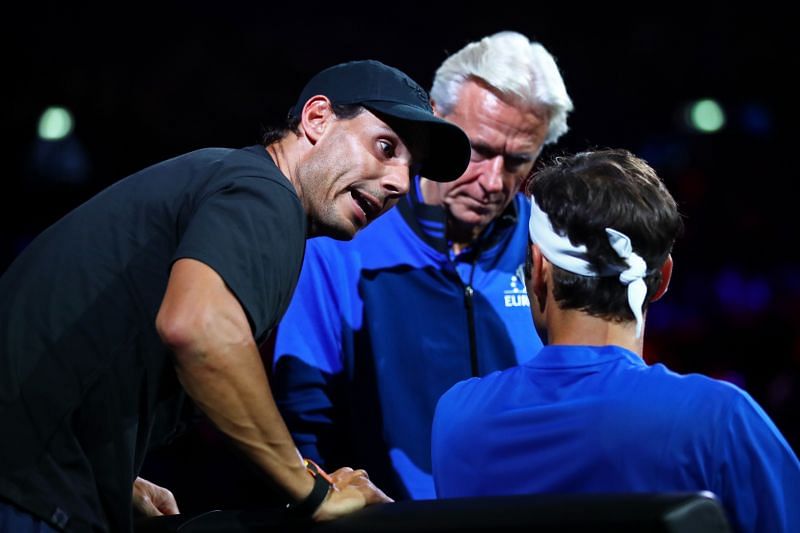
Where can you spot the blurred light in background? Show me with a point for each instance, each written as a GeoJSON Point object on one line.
{"type": "Point", "coordinates": [57, 156]}
{"type": "Point", "coordinates": [706, 116]}
{"type": "Point", "coordinates": [55, 123]}
{"type": "Point", "coordinates": [740, 295]}
{"type": "Point", "coordinates": [756, 119]}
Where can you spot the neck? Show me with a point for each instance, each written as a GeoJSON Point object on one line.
{"type": "Point", "coordinates": [461, 236]}
{"type": "Point", "coordinates": [283, 153]}
{"type": "Point", "coordinates": [576, 328]}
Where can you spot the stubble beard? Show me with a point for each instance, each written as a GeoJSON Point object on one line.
{"type": "Point", "coordinates": [317, 178]}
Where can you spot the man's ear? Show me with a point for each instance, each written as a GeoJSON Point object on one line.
{"type": "Point", "coordinates": [666, 274]}
{"type": "Point", "coordinates": [540, 268]}
{"type": "Point", "coordinates": [315, 117]}
{"type": "Point", "coordinates": [435, 109]}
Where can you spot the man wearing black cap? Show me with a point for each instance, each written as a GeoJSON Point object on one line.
{"type": "Point", "coordinates": [169, 280]}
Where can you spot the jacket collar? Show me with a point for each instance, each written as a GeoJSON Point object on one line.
{"type": "Point", "coordinates": [429, 222]}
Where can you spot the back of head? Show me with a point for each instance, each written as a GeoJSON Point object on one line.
{"type": "Point", "coordinates": [518, 69]}
{"type": "Point", "coordinates": [586, 193]}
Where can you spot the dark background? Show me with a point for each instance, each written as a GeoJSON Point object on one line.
{"type": "Point", "coordinates": [148, 83]}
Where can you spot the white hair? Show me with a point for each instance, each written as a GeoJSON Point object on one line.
{"type": "Point", "coordinates": [519, 69]}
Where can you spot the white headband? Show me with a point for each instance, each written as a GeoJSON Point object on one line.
{"type": "Point", "coordinates": [560, 251]}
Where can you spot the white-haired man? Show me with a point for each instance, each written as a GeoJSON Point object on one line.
{"type": "Point", "coordinates": [430, 295]}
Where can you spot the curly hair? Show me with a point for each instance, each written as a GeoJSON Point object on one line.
{"type": "Point", "coordinates": [590, 191]}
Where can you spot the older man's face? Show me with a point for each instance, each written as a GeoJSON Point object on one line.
{"type": "Point", "coordinates": [505, 143]}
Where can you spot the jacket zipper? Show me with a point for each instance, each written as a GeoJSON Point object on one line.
{"type": "Point", "coordinates": [469, 304]}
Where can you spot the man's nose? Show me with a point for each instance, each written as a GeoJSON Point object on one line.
{"type": "Point", "coordinates": [492, 175]}
{"type": "Point", "coordinates": [397, 182]}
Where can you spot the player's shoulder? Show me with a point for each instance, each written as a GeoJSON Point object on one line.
{"type": "Point", "coordinates": [480, 392]}
{"type": "Point", "coordinates": [693, 393]}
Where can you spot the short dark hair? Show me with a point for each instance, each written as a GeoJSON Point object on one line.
{"type": "Point", "coordinates": [588, 192]}
{"type": "Point", "coordinates": [292, 124]}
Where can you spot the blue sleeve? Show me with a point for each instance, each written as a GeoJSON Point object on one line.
{"type": "Point", "coordinates": [308, 360]}
{"type": "Point", "coordinates": [448, 434]}
{"type": "Point", "coordinates": [439, 437]}
{"type": "Point", "coordinates": [759, 474]}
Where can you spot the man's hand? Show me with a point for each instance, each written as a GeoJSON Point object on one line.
{"type": "Point", "coordinates": [152, 500]}
{"type": "Point", "coordinates": [352, 490]}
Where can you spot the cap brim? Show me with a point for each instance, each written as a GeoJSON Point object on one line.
{"type": "Point", "coordinates": [448, 150]}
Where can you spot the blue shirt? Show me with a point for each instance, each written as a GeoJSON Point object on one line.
{"type": "Point", "coordinates": [379, 328]}
{"type": "Point", "coordinates": [584, 419]}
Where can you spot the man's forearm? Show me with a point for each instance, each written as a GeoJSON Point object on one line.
{"type": "Point", "coordinates": [219, 366]}
{"type": "Point", "coordinates": [231, 387]}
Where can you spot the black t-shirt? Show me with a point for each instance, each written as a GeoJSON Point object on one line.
{"type": "Point", "coordinates": [83, 373]}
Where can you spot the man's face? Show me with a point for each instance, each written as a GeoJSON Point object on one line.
{"type": "Point", "coordinates": [359, 169]}
{"type": "Point", "coordinates": [505, 143]}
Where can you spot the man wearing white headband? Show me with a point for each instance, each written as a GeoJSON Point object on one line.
{"type": "Point", "coordinates": [587, 414]}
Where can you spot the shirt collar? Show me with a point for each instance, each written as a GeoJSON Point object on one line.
{"type": "Point", "coordinates": [567, 356]}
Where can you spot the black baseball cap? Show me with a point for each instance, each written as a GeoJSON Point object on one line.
{"type": "Point", "coordinates": [388, 91]}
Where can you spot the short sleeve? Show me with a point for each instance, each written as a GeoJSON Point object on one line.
{"type": "Point", "coordinates": [452, 442]}
{"type": "Point", "coordinates": [252, 233]}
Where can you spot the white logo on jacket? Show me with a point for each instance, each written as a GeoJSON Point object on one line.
{"type": "Point", "coordinates": [516, 296]}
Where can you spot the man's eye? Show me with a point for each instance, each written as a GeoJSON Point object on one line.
{"type": "Point", "coordinates": [514, 163]}
{"type": "Point", "coordinates": [477, 154]}
{"type": "Point", "coordinates": [386, 147]}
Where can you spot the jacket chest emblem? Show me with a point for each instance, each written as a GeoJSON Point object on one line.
{"type": "Point", "coordinates": [515, 295]}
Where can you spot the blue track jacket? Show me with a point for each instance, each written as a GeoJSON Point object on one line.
{"type": "Point", "coordinates": [380, 326]}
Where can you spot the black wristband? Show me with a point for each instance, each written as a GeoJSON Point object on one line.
{"type": "Point", "coordinates": [307, 507]}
